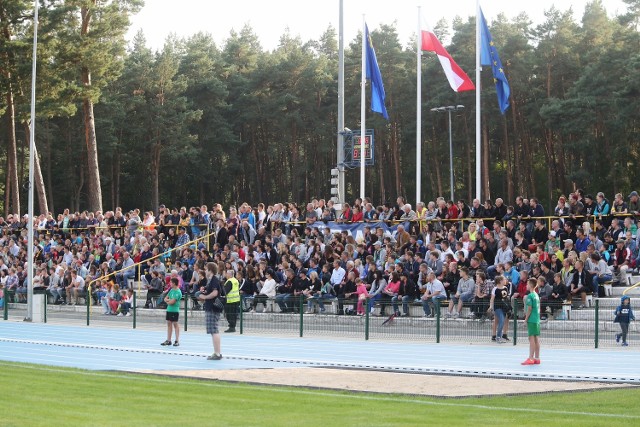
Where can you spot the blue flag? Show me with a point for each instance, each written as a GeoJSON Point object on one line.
{"type": "Point", "coordinates": [373, 74]}
{"type": "Point", "coordinates": [489, 56]}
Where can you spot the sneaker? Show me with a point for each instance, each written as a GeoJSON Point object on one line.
{"type": "Point", "coordinates": [447, 315]}
{"type": "Point", "coordinates": [322, 310]}
{"type": "Point", "coordinates": [230, 330]}
{"type": "Point", "coordinates": [581, 306]}
{"type": "Point", "coordinates": [493, 338]}
{"type": "Point", "coordinates": [128, 314]}
{"type": "Point", "coordinates": [618, 337]}
{"type": "Point", "coordinates": [456, 315]}
{"type": "Point", "coordinates": [167, 342]}
{"type": "Point", "coordinates": [176, 344]}
{"type": "Point", "coordinates": [536, 361]}
{"type": "Point", "coordinates": [405, 314]}
{"type": "Point", "coordinates": [505, 337]}
{"type": "Point", "coordinates": [214, 357]}
{"type": "Point", "coordinates": [120, 314]}
{"type": "Point", "coordinates": [252, 311]}
{"type": "Point", "coordinates": [308, 312]}
{"type": "Point", "coordinates": [624, 344]}
{"type": "Point", "coordinates": [528, 362]}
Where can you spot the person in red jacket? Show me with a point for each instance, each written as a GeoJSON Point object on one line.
{"type": "Point", "coordinates": [521, 289]}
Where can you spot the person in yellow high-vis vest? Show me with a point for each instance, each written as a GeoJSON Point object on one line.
{"type": "Point", "coordinates": [232, 307]}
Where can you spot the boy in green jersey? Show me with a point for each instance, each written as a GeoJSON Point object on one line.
{"type": "Point", "coordinates": [532, 318]}
{"type": "Point", "coordinates": [173, 311]}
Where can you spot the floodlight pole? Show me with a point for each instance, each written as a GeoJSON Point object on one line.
{"type": "Point", "coordinates": [32, 151]}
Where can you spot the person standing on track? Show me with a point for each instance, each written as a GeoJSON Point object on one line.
{"type": "Point", "coordinates": [232, 307]}
{"type": "Point", "coordinates": [532, 318]}
{"type": "Point", "coordinates": [173, 312]}
{"type": "Point", "coordinates": [212, 314]}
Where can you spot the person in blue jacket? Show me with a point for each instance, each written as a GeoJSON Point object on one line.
{"type": "Point", "coordinates": [624, 315]}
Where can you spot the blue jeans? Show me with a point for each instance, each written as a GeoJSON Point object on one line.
{"type": "Point", "coordinates": [122, 278]}
{"type": "Point", "coordinates": [499, 313]}
{"type": "Point", "coordinates": [597, 280]}
{"type": "Point", "coordinates": [372, 301]}
{"type": "Point", "coordinates": [319, 299]}
{"type": "Point", "coordinates": [491, 272]}
{"type": "Point", "coordinates": [283, 300]}
{"type": "Point", "coordinates": [433, 301]}
{"type": "Point", "coordinates": [405, 303]}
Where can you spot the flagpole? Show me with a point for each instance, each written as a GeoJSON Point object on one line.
{"type": "Point", "coordinates": [363, 84]}
{"type": "Point", "coordinates": [32, 152]}
{"type": "Point", "coordinates": [418, 113]}
{"type": "Point", "coordinates": [340, 159]}
{"type": "Point", "coordinates": [478, 113]}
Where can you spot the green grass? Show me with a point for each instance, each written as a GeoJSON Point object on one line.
{"type": "Point", "coordinates": [37, 395]}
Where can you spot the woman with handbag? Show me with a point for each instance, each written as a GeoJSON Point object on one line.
{"type": "Point", "coordinates": [214, 299]}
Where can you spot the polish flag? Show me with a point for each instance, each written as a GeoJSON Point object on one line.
{"type": "Point", "coordinates": [458, 79]}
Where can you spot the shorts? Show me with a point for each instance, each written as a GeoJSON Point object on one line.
{"type": "Point", "coordinates": [211, 321]}
{"type": "Point", "coordinates": [533, 329]}
{"type": "Point", "coordinates": [172, 316]}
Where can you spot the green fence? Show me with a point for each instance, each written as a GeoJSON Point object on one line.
{"type": "Point", "coordinates": [564, 325]}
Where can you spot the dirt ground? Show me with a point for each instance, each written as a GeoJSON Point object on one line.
{"type": "Point", "coordinates": [387, 382]}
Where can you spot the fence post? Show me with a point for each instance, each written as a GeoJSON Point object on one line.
{"type": "Point", "coordinates": [300, 305]}
{"type": "Point", "coordinates": [45, 306]}
{"type": "Point", "coordinates": [437, 307]}
{"type": "Point", "coordinates": [6, 305]}
{"type": "Point", "coordinates": [366, 320]}
{"type": "Point", "coordinates": [88, 301]}
{"type": "Point", "coordinates": [597, 322]}
{"type": "Point", "coordinates": [515, 321]}
{"type": "Point", "coordinates": [241, 314]}
{"type": "Point", "coordinates": [186, 313]}
{"type": "Point", "coordinates": [134, 307]}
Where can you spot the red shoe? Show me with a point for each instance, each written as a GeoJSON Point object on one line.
{"type": "Point", "coordinates": [536, 361]}
{"type": "Point", "coordinates": [528, 362]}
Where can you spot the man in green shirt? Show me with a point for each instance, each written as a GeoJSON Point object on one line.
{"type": "Point", "coordinates": [532, 318]}
{"type": "Point", "coordinates": [173, 311]}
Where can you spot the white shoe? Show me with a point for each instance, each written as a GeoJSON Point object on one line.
{"type": "Point", "coordinates": [456, 315]}
{"type": "Point", "coordinates": [120, 314]}
{"type": "Point", "coordinates": [128, 314]}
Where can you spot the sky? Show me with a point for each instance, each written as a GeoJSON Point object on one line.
{"type": "Point", "coordinates": [309, 19]}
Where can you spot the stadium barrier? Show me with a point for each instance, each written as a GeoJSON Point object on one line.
{"type": "Point", "coordinates": [587, 327]}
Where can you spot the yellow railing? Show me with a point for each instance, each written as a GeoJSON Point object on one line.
{"type": "Point", "coordinates": [135, 265]}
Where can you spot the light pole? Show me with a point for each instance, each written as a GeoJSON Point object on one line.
{"type": "Point", "coordinates": [449, 109]}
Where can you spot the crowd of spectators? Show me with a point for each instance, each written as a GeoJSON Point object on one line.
{"type": "Point", "coordinates": [439, 253]}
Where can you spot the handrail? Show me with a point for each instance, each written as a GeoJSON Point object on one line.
{"type": "Point", "coordinates": [630, 287]}
{"type": "Point", "coordinates": [189, 243]}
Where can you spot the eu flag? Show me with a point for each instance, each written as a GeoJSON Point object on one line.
{"type": "Point", "coordinates": [489, 56]}
{"type": "Point", "coordinates": [373, 74]}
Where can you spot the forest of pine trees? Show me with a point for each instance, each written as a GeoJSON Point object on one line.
{"type": "Point", "coordinates": [119, 124]}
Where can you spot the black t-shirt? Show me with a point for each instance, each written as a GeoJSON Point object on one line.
{"type": "Point", "coordinates": [501, 297]}
{"type": "Point", "coordinates": [213, 285]}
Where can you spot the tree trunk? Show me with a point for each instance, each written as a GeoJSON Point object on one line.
{"type": "Point", "coordinates": [48, 165]}
{"type": "Point", "coordinates": [507, 154]}
{"type": "Point", "coordinates": [436, 163]}
{"type": "Point", "coordinates": [257, 165]}
{"type": "Point", "coordinates": [94, 191]}
{"type": "Point", "coordinates": [38, 180]}
{"type": "Point", "coordinates": [155, 175]}
{"type": "Point", "coordinates": [12, 199]}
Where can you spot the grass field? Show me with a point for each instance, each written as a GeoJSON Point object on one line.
{"type": "Point", "coordinates": [36, 395]}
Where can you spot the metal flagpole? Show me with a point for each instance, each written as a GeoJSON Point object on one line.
{"type": "Point", "coordinates": [341, 105]}
{"type": "Point", "coordinates": [478, 115]}
{"type": "Point", "coordinates": [419, 113]}
{"type": "Point", "coordinates": [32, 149]}
{"type": "Point", "coordinates": [363, 86]}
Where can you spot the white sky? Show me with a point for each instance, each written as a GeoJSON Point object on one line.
{"type": "Point", "coordinates": [309, 19]}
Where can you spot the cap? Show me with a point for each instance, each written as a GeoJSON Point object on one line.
{"type": "Point", "coordinates": [377, 243]}
{"type": "Point", "coordinates": [568, 241]}
{"type": "Point", "coordinates": [633, 193]}
{"type": "Point", "coordinates": [552, 233]}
